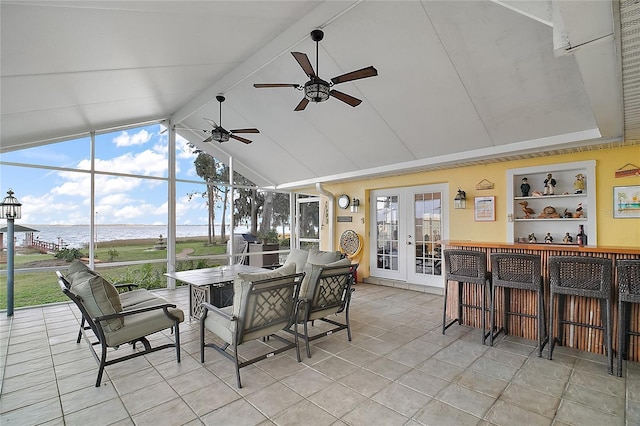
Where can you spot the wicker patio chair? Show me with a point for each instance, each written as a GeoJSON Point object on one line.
{"type": "Point", "coordinates": [628, 292]}
{"type": "Point", "coordinates": [521, 272]}
{"type": "Point", "coordinates": [584, 276]}
{"type": "Point", "coordinates": [466, 266]}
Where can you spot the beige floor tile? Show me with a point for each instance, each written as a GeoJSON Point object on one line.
{"type": "Point", "coordinates": [372, 413]}
{"type": "Point", "coordinates": [37, 413]}
{"type": "Point", "coordinates": [597, 400]}
{"type": "Point", "coordinates": [401, 399]}
{"type": "Point", "coordinates": [174, 412]}
{"type": "Point", "coordinates": [304, 412]}
{"type": "Point", "coordinates": [531, 400]}
{"type": "Point", "coordinates": [211, 398]}
{"type": "Point", "coordinates": [337, 399]}
{"type": "Point", "coordinates": [106, 412]}
{"type": "Point", "coordinates": [149, 397]}
{"type": "Point", "coordinates": [572, 413]}
{"type": "Point", "coordinates": [482, 383]}
{"type": "Point", "coordinates": [504, 414]}
{"type": "Point", "coordinates": [307, 381]}
{"type": "Point", "coordinates": [238, 413]}
{"type": "Point", "coordinates": [467, 400]}
{"type": "Point", "coordinates": [273, 399]}
{"type": "Point", "coordinates": [365, 382]}
{"type": "Point", "coordinates": [440, 413]}
{"type": "Point", "coordinates": [27, 396]}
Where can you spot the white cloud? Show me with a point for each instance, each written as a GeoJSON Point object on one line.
{"type": "Point", "coordinates": [140, 138]}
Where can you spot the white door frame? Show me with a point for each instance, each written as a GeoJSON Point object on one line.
{"type": "Point", "coordinates": [396, 255]}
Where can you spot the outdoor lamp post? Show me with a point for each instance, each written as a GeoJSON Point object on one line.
{"type": "Point", "coordinates": [10, 210]}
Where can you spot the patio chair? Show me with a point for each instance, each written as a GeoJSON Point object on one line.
{"type": "Point", "coordinates": [130, 295]}
{"type": "Point", "coordinates": [325, 292]}
{"type": "Point", "coordinates": [263, 304]}
{"type": "Point", "coordinates": [113, 326]}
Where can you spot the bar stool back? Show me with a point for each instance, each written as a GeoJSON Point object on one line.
{"type": "Point", "coordinates": [584, 276]}
{"type": "Point", "coordinates": [523, 272]}
{"type": "Point", "coordinates": [466, 266]}
{"type": "Point", "coordinates": [628, 292]}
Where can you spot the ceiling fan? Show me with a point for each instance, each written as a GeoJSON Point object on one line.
{"type": "Point", "coordinates": [317, 89]}
{"type": "Point", "coordinates": [220, 134]}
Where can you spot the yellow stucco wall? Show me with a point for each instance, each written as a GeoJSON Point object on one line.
{"type": "Point", "coordinates": [611, 232]}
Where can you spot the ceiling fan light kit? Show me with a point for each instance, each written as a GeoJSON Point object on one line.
{"type": "Point", "coordinates": [316, 89]}
{"type": "Point", "coordinates": [220, 134]}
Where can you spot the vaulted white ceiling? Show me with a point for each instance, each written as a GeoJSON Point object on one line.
{"type": "Point", "coordinates": [459, 81]}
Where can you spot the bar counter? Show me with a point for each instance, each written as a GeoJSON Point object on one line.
{"type": "Point", "coordinates": [584, 309]}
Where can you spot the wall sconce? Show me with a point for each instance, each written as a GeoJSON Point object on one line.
{"type": "Point", "coordinates": [460, 202]}
{"type": "Point", "coordinates": [10, 209]}
{"type": "Point", "coordinates": [354, 205]}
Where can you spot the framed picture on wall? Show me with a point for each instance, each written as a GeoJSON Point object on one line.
{"type": "Point", "coordinates": [485, 209]}
{"type": "Point", "coordinates": [626, 201]}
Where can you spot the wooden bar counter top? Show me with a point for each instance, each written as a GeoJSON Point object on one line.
{"type": "Point", "coordinates": [584, 309]}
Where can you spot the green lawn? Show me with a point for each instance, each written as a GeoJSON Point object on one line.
{"type": "Point", "coordinates": [36, 288]}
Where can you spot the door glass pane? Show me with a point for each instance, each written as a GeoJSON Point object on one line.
{"type": "Point", "coordinates": [428, 231]}
{"type": "Point", "coordinates": [387, 232]}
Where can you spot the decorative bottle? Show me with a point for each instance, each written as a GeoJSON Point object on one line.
{"type": "Point", "coordinates": [581, 238]}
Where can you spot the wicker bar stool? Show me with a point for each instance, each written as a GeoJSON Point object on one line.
{"type": "Point", "coordinates": [581, 276]}
{"type": "Point", "coordinates": [517, 271]}
{"type": "Point", "coordinates": [628, 292]}
{"type": "Point", "coordinates": [466, 266]}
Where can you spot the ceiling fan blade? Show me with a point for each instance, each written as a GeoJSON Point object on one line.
{"type": "Point", "coordinates": [245, 131]}
{"type": "Point", "coordinates": [213, 123]}
{"type": "Point", "coordinates": [347, 99]}
{"type": "Point", "coordinates": [267, 85]}
{"type": "Point", "coordinates": [209, 139]}
{"type": "Point", "coordinates": [355, 75]}
{"type": "Point", "coordinates": [302, 105]}
{"type": "Point", "coordinates": [303, 60]}
{"type": "Point", "coordinates": [241, 139]}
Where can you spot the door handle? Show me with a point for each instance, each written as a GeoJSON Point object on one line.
{"type": "Point", "coordinates": [408, 243]}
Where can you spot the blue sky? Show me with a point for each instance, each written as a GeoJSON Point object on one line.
{"type": "Point", "coordinates": [63, 197]}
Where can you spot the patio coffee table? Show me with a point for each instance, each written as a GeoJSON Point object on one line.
{"type": "Point", "coordinates": [213, 285]}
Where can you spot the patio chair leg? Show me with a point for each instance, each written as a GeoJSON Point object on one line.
{"type": "Point", "coordinates": [237, 363]}
{"type": "Point", "coordinates": [177, 343]}
{"type": "Point", "coordinates": [80, 332]}
{"type": "Point", "coordinates": [103, 359]}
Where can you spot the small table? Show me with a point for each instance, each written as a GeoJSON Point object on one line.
{"type": "Point", "coordinates": [213, 285]}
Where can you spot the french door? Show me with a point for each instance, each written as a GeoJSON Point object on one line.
{"type": "Point", "coordinates": [407, 229]}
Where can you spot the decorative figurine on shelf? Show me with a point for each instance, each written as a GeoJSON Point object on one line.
{"type": "Point", "coordinates": [528, 211]}
{"type": "Point", "coordinates": [579, 213]}
{"type": "Point", "coordinates": [549, 212]}
{"type": "Point", "coordinates": [567, 238]}
{"type": "Point", "coordinates": [525, 187]}
{"type": "Point", "coordinates": [532, 238]}
{"type": "Point", "coordinates": [568, 214]}
{"type": "Point", "coordinates": [549, 185]}
{"type": "Point", "coordinates": [578, 185]}
{"type": "Point", "coordinates": [548, 239]}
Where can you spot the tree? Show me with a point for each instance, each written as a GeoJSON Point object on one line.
{"type": "Point", "coordinates": [281, 211]}
{"type": "Point", "coordinates": [212, 172]}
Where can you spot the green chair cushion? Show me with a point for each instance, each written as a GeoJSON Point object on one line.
{"type": "Point", "coordinates": [298, 257]}
{"type": "Point", "coordinates": [142, 324]}
{"type": "Point", "coordinates": [312, 272]}
{"type": "Point", "coordinates": [99, 298]}
{"type": "Point", "coordinates": [76, 267]}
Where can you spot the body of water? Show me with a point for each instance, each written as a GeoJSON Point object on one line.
{"type": "Point", "coordinates": [79, 236]}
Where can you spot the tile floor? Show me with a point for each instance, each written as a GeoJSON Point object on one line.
{"type": "Point", "coordinates": [398, 370]}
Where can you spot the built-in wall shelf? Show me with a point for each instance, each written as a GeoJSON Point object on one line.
{"type": "Point", "coordinates": [564, 201]}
